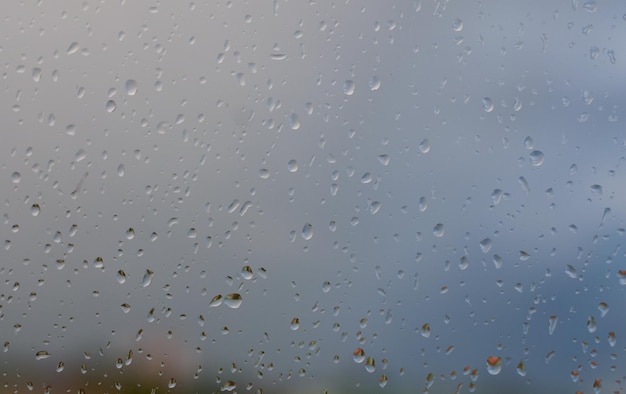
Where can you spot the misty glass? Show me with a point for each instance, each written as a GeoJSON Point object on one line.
{"type": "Point", "coordinates": [312, 196]}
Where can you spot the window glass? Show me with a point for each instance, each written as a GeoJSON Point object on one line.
{"type": "Point", "coordinates": [312, 196]}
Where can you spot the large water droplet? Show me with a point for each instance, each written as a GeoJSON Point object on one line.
{"type": "Point", "coordinates": [292, 166]}
{"type": "Point", "coordinates": [216, 301]}
{"type": "Point", "coordinates": [16, 177]}
{"type": "Point", "coordinates": [370, 364]}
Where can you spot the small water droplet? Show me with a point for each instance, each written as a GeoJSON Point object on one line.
{"type": "Point", "coordinates": [246, 272]}
{"type": "Point", "coordinates": [294, 121]}
{"type": "Point", "coordinates": [423, 204]}
{"type": "Point", "coordinates": [366, 178]}
{"type": "Point", "coordinates": [120, 276]}
{"type": "Point", "coordinates": [438, 230]}
{"type": "Point", "coordinates": [130, 233]}
{"type": "Point", "coordinates": [131, 87]}
{"type": "Point", "coordinates": [488, 104]}
{"type": "Point", "coordinates": [457, 25]}
{"type": "Point", "coordinates": [326, 286]}
{"type": "Point", "coordinates": [233, 300]}
{"type": "Point", "coordinates": [35, 209]}
{"type": "Point", "coordinates": [494, 365]}
{"type": "Point", "coordinates": [612, 339]}
{"type": "Point", "coordinates": [295, 323]}
{"type": "Point", "coordinates": [374, 83]}
{"type": "Point", "coordinates": [592, 326]}
{"type": "Point", "coordinates": [486, 244]}
{"type": "Point", "coordinates": [596, 189]}
{"type": "Point", "coordinates": [382, 381]}
{"type": "Point", "coordinates": [264, 173]}
{"type": "Point", "coordinates": [16, 177]}
{"type": "Point", "coordinates": [383, 159]}
{"type": "Point", "coordinates": [348, 87]}
{"type": "Point", "coordinates": [110, 106]}
{"type": "Point", "coordinates": [121, 170]}
{"type": "Point", "coordinates": [125, 307]}
{"type": "Point", "coordinates": [424, 146]}
{"type": "Point", "coordinates": [425, 330]}
{"type": "Point", "coordinates": [172, 383]}
{"type": "Point", "coordinates": [292, 165]}
{"type": "Point", "coordinates": [73, 48]}
{"type": "Point", "coordinates": [521, 368]}
{"type": "Point", "coordinates": [42, 354]}
{"type": "Point", "coordinates": [536, 158]}
{"type": "Point", "coordinates": [552, 322]}
{"type": "Point", "coordinates": [370, 364]}
{"type": "Point", "coordinates": [216, 301]}
{"type": "Point", "coordinates": [358, 355]}
{"type": "Point", "coordinates": [604, 308]}
{"type": "Point", "coordinates": [147, 278]}
{"type": "Point", "coordinates": [307, 231]}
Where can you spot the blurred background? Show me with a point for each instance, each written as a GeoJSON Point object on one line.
{"type": "Point", "coordinates": [305, 197]}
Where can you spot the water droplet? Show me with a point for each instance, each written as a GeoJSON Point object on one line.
{"type": "Point", "coordinates": [307, 231]}
{"type": "Point", "coordinates": [496, 196]}
{"type": "Point", "coordinates": [488, 104]}
{"type": "Point", "coordinates": [382, 381]}
{"type": "Point", "coordinates": [60, 366]}
{"type": "Point", "coordinates": [424, 146]}
{"type": "Point", "coordinates": [73, 48]}
{"type": "Point", "coordinates": [147, 278]}
{"type": "Point", "coordinates": [172, 383]}
{"type": "Point", "coordinates": [130, 233]}
{"type": "Point", "coordinates": [374, 83]}
{"type": "Point", "coordinates": [612, 339]}
{"type": "Point", "coordinates": [110, 106]}
{"type": "Point", "coordinates": [521, 368]}
{"type": "Point", "coordinates": [233, 300]}
{"type": "Point", "coordinates": [216, 301]}
{"type": "Point", "coordinates": [552, 324]}
{"type": "Point", "coordinates": [438, 230]}
{"type": "Point", "coordinates": [229, 385]}
{"type": "Point", "coordinates": [457, 25]}
{"type": "Point", "coordinates": [326, 286]}
{"type": "Point", "coordinates": [494, 365]}
{"type": "Point", "coordinates": [497, 261]}
{"type": "Point", "coordinates": [366, 178]}
{"type": "Point", "coordinates": [370, 364]}
{"type": "Point", "coordinates": [425, 330]}
{"type": "Point", "coordinates": [35, 209]}
{"type": "Point", "coordinates": [264, 173]}
{"type": "Point", "coordinates": [596, 189]}
{"type": "Point", "coordinates": [16, 177]}
{"type": "Point", "coordinates": [120, 276]}
{"type": "Point", "coordinates": [42, 354]}
{"type": "Point", "coordinates": [423, 204]}
{"type": "Point", "coordinates": [383, 159]}
{"type": "Point", "coordinates": [604, 308]}
{"type": "Point", "coordinates": [121, 170]}
{"type": "Point", "coordinates": [358, 355]}
{"type": "Point", "coordinates": [575, 374]}
{"type": "Point", "coordinates": [292, 166]}
{"type": "Point", "coordinates": [131, 87]}
{"type": "Point", "coordinates": [524, 183]}
{"type": "Point", "coordinates": [485, 245]}
{"type": "Point", "coordinates": [294, 122]}
{"type": "Point", "coordinates": [295, 323]}
{"type": "Point", "coordinates": [571, 271]}
{"type": "Point", "coordinates": [536, 158]}
{"type": "Point", "coordinates": [592, 326]}
{"type": "Point", "coordinates": [375, 207]}
{"type": "Point", "coordinates": [246, 272]}
{"type": "Point", "coordinates": [348, 87]}
{"type": "Point", "coordinates": [125, 307]}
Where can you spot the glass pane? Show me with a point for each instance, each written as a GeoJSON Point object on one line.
{"type": "Point", "coordinates": [285, 196]}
